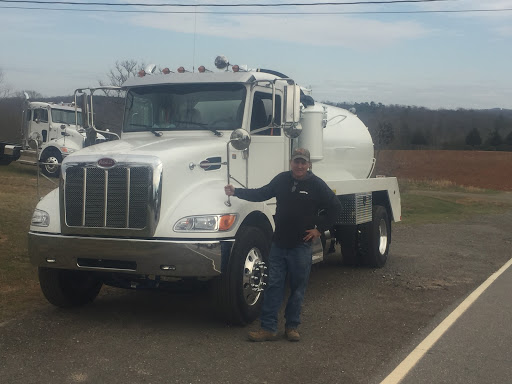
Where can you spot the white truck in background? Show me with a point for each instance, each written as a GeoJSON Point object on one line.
{"type": "Point", "coordinates": [150, 209]}
{"type": "Point", "coordinates": [49, 132]}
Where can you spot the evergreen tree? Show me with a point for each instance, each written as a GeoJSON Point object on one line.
{"type": "Point", "coordinates": [508, 139]}
{"type": "Point", "coordinates": [494, 138]}
{"type": "Point", "coordinates": [385, 134]}
{"type": "Point", "coordinates": [418, 138]}
{"type": "Point", "coordinates": [473, 138]}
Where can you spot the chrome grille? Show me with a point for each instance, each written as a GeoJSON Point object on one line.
{"type": "Point", "coordinates": [107, 198]}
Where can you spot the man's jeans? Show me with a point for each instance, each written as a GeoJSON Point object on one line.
{"type": "Point", "coordinates": [297, 263]}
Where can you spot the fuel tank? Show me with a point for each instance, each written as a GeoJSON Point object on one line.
{"type": "Point", "coordinates": [340, 145]}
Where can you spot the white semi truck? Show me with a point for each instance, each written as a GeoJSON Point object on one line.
{"type": "Point", "coordinates": [150, 209]}
{"type": "Point", "coordinates": [49, 132]}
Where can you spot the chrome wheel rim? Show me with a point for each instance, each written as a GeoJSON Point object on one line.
{"type": "Point", "coordinates": [254, 279]}
{"type": "Point", "coordinates": [52, 164]}
{"type": "Point", "coordinates": [383, 236]}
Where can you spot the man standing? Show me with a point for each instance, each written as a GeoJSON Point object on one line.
{"type": "Point", "coordinates": [300, 197]}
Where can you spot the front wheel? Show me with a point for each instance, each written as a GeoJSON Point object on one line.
{"type": "Point", "coordinates": [239, 291]}
{"type": "Point", "coordinates": [375, 238]}
{"type": "Point", "coordinates": [65, 288]}
{"type": "Point", "coordinates": [52, 161]}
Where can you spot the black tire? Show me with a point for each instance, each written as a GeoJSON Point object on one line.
{"type": "Point", "coordinates": [234, 297]}
{"type": "Point", "coordinates": [52, 156]}
{"type": "Point", "coordinates": [375, 238]}
{"type": "Point", "coordinates": [348, 242]}
{"type": "Point", "coordinates": [64, 288]}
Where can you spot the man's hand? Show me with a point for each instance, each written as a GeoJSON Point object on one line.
{"type": "Point", "coordinates": [229, 190]}
{"type": "Point", "coordinates": [312, 234]}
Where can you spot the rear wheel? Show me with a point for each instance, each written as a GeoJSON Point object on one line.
{"type": "Point", "coordinates": [51, 160]}
{"type": "Point", "coordinates": [239, 291]}
{"type": "Point", "coordinates": [374, 238]}
{"type": "Point", "coordinates": [65, 288]}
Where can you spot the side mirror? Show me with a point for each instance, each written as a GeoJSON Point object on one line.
{"type": "Point", "coordinates": [292, 130]}
{"type": "Point", "coordinates": [240, 139]}
{"type": "Point", "coordinates": [291, 103]}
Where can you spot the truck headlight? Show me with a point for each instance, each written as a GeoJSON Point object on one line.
{"type": "Point", "coordinates": [209, 223]}
{"type": "Point", "coordinates": [40, 218]}
{"type": "Point", "coordinates": [67, 150]}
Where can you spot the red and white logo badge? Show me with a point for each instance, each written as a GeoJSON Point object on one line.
{"type": "Point", "coordinates": [106, 162]}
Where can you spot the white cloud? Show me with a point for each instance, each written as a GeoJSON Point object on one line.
{"type": "Point", "coordinates": [447, 95]}
{"type": "Point", "coordinates": [325, 30]}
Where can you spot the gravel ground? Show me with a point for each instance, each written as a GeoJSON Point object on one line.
{"type": "Point", "coordinates": [357, 323]}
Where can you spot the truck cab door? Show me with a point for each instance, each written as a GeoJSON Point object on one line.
{"type": "Point", "coordinates": [269, 150]}
{"type": "Point", "coordinates": [40, 124]}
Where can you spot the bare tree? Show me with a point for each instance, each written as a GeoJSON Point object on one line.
{"type": "Point", "coordinates": [4, 88]}
{"type": "Point", "coordinates": [33, 95]}
{"type": "Point", "coordinates": [121, 72]}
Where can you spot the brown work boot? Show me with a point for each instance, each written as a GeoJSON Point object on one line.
{"type": "Point", "coordinates": [262, 335]}
{"type": "Point", "coordinates": [292, 334]}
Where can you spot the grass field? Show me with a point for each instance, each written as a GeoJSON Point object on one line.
{"type": "Point", "coordinates": [19, 286]}
{"type": "Point", "coordinates": [422, 202]}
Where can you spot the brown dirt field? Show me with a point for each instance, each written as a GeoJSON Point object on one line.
{"type": "Point", "coordinates": [489, 170]}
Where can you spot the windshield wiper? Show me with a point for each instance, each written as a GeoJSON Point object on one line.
{"type": "Point", "coordinates": [202, 125]}
{"type": "Point", "coordinates": [155, 132]}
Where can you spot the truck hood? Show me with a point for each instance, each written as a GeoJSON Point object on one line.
{"type": "Point", "coordinates": [188, 148]}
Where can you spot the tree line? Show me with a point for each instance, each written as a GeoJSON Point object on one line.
{"type": "Point", "coordinates": [391, 126]}
{"type": "Point", "coordinates": [412, 127]}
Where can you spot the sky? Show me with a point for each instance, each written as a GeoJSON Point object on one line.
{"type": "Point", "coordinates": [435, 60]}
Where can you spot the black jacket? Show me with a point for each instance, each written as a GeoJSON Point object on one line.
{"type": "Point", "coordinates": [298, 205]}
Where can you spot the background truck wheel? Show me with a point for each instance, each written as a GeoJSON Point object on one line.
{"type": "Point", "coordinates": [53, 158]}
{"type": "Point", "coordinates": [374, 238]}
{"type": "Point", "coordinates": [238, 293]}
{"type": "Point", "coordinates": [348, 242]}
{"type": "Point", "coordinates": [65, 288]}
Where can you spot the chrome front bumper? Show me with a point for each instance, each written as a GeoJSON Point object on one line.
{"type": "Point", "coordinates": [136, 256]}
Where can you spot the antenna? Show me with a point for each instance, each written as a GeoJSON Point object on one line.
{"type": "Point", "coordinates": [194, 45]}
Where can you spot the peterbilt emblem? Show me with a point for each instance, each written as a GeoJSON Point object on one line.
{"type": "Point", "coordinates": [106, 162]}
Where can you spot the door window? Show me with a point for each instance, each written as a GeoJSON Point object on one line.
{"type": "Point", "coordinates": [262, 114]}
{"type": "Point", "coordinates": [41, 115]}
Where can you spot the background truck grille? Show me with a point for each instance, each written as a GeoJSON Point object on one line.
{"type": "Point", "coordinates": [114, 198]}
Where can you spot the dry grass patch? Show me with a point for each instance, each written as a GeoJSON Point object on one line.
{"type": "Point", "coordinates": [19, 286]}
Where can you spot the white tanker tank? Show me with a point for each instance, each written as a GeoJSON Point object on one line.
{"type": "Point", "coordinates": [340, 145]}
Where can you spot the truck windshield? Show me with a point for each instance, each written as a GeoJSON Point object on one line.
{"type": "Point", "coordinates": [184, 107]}
{"type": "Point", "coordinates": [65, 116]}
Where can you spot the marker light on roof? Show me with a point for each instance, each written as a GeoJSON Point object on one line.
{"type": "Point", "coordinates": [181, 70]}
{"type": "Point", "coordinates": [150, 69]}
{"type": "Point", "coordinates": [166, 71]}
{"type": "Point", "coordinates": [142, 73]}
{"type": "Point", "coordinates": [201, 69]}
{"type": "Point", "coordinates": [235, 68]}
{"type": "Point", "coordinates": [221, 62]}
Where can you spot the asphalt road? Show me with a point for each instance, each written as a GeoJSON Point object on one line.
{"type": "Point", "coordinates": [358, 324]}
{"type": "Point", "coordinates": [475, 348]}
